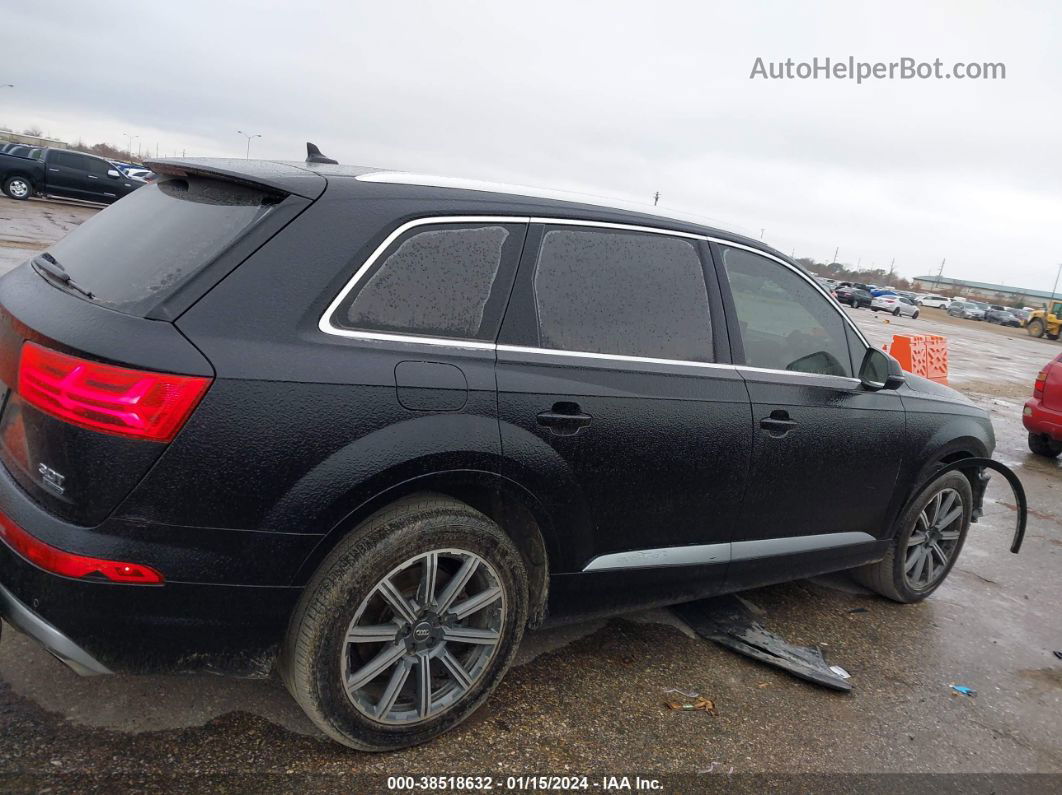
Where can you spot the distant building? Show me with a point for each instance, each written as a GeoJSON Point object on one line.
{"type": "Point", "coordinates": [998, 293]}
{"type": "Point", "coordinates": [31, 140]}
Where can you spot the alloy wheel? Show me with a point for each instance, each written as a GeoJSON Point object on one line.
{"type": "Point", "coordinates": [423, 636]}
{"type": "Point", "coordinates": [933, 540]}
{"type": "Point", "coordinates": [19, 188]}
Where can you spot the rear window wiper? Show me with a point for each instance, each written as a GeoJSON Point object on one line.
{"type": "Point", "coordinates": [47, 264]}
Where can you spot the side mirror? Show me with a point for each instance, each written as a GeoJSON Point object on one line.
{"type": "Point", "coordinates": [880, 371]}
{"type": "Point", "coordinates": [113, 173]}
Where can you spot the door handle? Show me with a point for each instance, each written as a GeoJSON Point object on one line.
{"type": "Point", "coordinates": [565, 419]}
{"type": "Point", "coordinates": [778, 424]}
{"type": "Point", "coordinates": [53, 169]}
{"type": "Point", "coordinates": [92, 176]}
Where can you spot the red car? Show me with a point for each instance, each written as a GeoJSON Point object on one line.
{"type": "Point", "coordinates": [1042, 416]}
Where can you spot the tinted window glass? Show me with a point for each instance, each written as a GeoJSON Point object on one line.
{"type": "Point", "coordinates": [435, 281]}
{"type": "Point", "coordinates": [626, 293]}
{"type": "Point", "coordinates": [786, 324]}
{"type": "Point", "coordinates": [140, 249]}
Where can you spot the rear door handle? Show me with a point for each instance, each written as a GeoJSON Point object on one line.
{"type": "Point", "coordinates": [778, 424]}
{"type": "Point", "coordinates": [565, 419]}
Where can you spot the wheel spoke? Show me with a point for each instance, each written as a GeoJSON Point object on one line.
{"type": "Point", "coordinates": [374, 667]}
{"type": "Point", "coordinates": [947, 504]}
{"type": "Point", "coordinates": [914, 558]}
{"type": "Point", "coordinates": [934, 506]}
{"type": "Point", "coordinates": [949, 518]}
{"type": "Point", "coordinates": [471, 635]}
{"type": "Point", "coordinates": [477, 602]}
{"type": "Point", "coordinates": [394, 687]}
{"type": "Point", "coordinates": [457, 671]}
{"type": "Point", "coordinates": [377, 633]}
{"type": "Point", "coordinates": [423, 685]}
{"type": "Point", "coordinates": [949, 535]}
{"type": "Point", "coordinates": [426, 592]}
{"type": "Point", "coordinates": [921, 567]}
{"type": "Point", "coordinates": [916, 539]}
{"type": "Point", "coordinates": [396, 601]}
{"type": "Point", "coordinates": [935, 547]}
{"type": "Point", "coordinates": [457, 583]}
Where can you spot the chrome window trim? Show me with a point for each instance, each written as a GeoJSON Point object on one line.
{"type": "Point", "coordinates": [702, 554]}
{"type": "Point", "coordinates": [618, 357]}
{"type": "Point", "coordinates": [325, 323]}
{"type": "Point", "coordinates": [326, 326]}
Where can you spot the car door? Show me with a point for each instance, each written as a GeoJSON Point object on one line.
{"type": "Point", "coordinates": [100, 185]}
{"type": "Point", "coordinates": [620, 410]}
{"type": "Point", "coordinates": [826, 451]}
{"type": "Point", "coordinates": [68, 174]}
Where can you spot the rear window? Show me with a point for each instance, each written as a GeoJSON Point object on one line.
{"type": "Point", "coordinates": [140, 250]}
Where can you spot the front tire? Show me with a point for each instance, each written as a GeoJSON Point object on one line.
{"type": "Point", "coordinates": [407, 626]}
{"type": "Point", "coordinates": [914, 316]}
{"type": "Point", "coordinates": [1042, 445]}
{"type": "Point", "coordinates": [18, 188]}
{"type": "Point", "coordinates": [931, 533]}
{"type": "Point", "coordinates": [896, 313]}
{"type": "Point", "coordinates": [1035, 327]}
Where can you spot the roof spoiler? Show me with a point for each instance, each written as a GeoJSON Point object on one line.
{"type": "Point", "coordinates": [313, 155]}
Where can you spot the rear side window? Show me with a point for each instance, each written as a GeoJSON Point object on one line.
{"type": "Point", "coordinates": [447, 280]}
{"type": "Point", "coordinates": [786, 324]}
{"type": "Point", "coordinates": [141, 249]}
{"type": "Point", "coordinates": [627, 293]}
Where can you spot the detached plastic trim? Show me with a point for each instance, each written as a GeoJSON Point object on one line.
{"type": "Point", "coordinates": [1009, 476]}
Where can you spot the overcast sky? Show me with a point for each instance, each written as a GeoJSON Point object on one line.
{"type": "Point", "coordinates": [612, 98]}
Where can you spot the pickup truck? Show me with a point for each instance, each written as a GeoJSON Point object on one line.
{"type": "Point", "coordinates": [60, 172]}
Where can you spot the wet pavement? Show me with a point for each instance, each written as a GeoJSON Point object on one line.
{"type": "Point", "coordinates": [27, 227]}
{"type": "Point", "coordinates": [590, 698]}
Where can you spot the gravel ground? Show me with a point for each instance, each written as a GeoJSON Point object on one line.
{"type": "Point", "coordinates": [589, 699]}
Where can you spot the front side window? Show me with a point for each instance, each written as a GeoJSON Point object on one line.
{"type": "Point", "coordinates": [436, 280]}
{"type": "Point", "coordinates": [618, 292]}
{"type": "Point", "coordinates": [786, 324]}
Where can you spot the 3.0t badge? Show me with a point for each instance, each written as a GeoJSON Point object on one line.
{"type": "Point", "coordinates": [51, 478]}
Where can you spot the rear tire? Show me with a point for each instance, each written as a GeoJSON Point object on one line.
{"type": "Point", "coordinates": [1035, 327]}
{"type": "Point", "coordinates": [903, 578]}
{"type": "Point", "coordinates": [18, 188]}
{"type": "Point", "coordinates": [1042, 445]}
{"type": "Point", "coordinates": [380, 572]}
{"type": "Point", "coordinates": [896, 312]}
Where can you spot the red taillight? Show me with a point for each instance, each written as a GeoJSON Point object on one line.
{"type": "Point", "coordinates": [1038, 385]}
{"type": "Point", "coordinates": [135, 403]}
{"type": "Point", "coordinates": [57, 561]}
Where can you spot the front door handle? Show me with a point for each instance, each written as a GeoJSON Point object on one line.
{"type": "Point", "coordinates": [565, 419]}
{"type": "Point", "coordinates": [778, 424]}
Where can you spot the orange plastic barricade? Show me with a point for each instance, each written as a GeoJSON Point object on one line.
{"type": "Point", "coordinates": [911, 352]}
{"type": "Point", "coordinates": [937, 358]}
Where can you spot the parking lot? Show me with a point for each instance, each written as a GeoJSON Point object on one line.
{"type": "Point", "coordinates": [589, 698]}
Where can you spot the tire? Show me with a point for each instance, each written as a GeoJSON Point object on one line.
{"type": "Point", "coordinates": [317, 661]}
{"type": "Point", "coordinates": [18, 188]}
{"type": "Point", "coordinates": [1052, 336]}
{"type": "Point", "coordinates": [896, 312]}
{"type": "Point", "coordinates": [1041, 445]}
{"type": "Point", "coordinates": [915, 315]}
{"type": "Point", "coordinates": [891, 576]}
{"type": "Point", "coordinates": [1035, 327]}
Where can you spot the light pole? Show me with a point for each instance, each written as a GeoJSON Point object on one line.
{"type": "Point", "coordinates": [249, 136]}
{"type": "Point", "coordinates": [129, 142]}
{"type": "Point", "coordinates": [1055, 288]}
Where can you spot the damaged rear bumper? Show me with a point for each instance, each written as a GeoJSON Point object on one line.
{"type": "Point", "coordinates": [22, 618]}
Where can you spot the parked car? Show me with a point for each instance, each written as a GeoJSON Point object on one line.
{"type": "Point", "coordinates": [966, 309]}
{"type": "Point", "coordinates": [470, 412]}
{"type": "Point", "coordinates": [935, 301]}
{"type": "Point", "coordinates": [1003, 317]}
{"type": "Point", "coordinates": [63, 173]}
{"type": "Point", "coordinates": [853, 296]}
{"type": "Point", "coordinates": [1042, 415]}
{"type": "Point", "coordinates": [1021, 314]}
{"type": "Point", "coordinates": [895, 305]}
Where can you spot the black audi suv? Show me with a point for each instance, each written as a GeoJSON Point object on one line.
{"type": "Point", "coordinates": [366, 427]}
